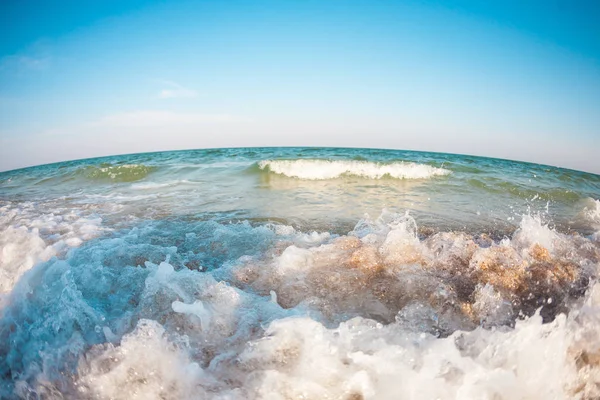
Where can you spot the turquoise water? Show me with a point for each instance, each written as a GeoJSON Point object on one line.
{"type": "Point", "coordinates": [290, 272]}
{"type": "Point", "coordinates": [476, 194]}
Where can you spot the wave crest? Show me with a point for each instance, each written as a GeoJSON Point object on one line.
{"type": "Point", "coordinates": [314, 169]}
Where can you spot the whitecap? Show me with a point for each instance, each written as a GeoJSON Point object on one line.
{"type": "Point", "coordinates": [313, 169]}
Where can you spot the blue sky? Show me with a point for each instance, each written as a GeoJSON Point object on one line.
{"type": "Point", "coordinates": [510, 79]}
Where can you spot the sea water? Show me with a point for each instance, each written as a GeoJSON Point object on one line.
{"type": "Point", "coordinates": [299, 273]}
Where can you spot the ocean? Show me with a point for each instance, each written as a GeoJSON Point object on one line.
{"type": "Point", "coordinates": [299, 273]}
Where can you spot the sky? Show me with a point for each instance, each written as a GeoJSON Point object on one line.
{"type": "Point", "coordinates": [509, 79]}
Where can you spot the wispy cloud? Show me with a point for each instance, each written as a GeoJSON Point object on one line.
{"type": "Point", "coordinates": [20, 62]}
{"type": "Point", "coordinates": [175, 90]}
{"type": "Point", "coordinates": [35, 58]}
{"type": "Point", "coordinates": [154, 118]}
{"type": "Point", "coordinates": [125, 132]}
{"type": "Point", "coordinates": [145, 122]}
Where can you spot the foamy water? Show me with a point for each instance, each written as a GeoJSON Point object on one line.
{"type": "Point", "coordinates": [28, 237]}
{"type": "Point", "coordinates": [299, 278]}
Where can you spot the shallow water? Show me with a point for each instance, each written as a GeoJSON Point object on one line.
{"type": "Point", "coordinates": [299, 273]}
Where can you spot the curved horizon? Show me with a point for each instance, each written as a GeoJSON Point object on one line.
{"type": "Point", "coordinates": [298, 147]}
{"type": "Point", "coordinates": [511, 81]}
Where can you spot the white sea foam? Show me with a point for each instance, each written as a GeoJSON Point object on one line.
{"type": "Point", "coordinates": [375, 314]}
{"type": "Point", "coordinates": [299, 357]}
{"type": "Point", "coordinates": [325, 169]}
{"type": "Point", "coordinates": [146, 365]}
{"type": "Point", "coordinates": [20, 249]}
{"type": "Point", "coordinates": [533, 231]}
{"type": "Point", "coordinates": [383, 265]}
{"type": "Point", "coordinates": [592, 212]}
{"type": "Point", "coordinates": [28, 236]}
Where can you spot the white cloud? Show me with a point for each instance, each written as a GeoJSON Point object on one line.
{"type": "Point", "coordinates": [175, 90]}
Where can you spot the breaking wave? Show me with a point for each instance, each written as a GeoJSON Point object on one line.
{"type": "Point", "coordinates": [314, 169]}
{"type": "Point", "coordinates": [249, 312]}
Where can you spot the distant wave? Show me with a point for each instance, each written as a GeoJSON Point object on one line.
{"type": "Point", "coordinates": [314, 169]}
{"type": "Point", "coordinates": [116, 173]}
